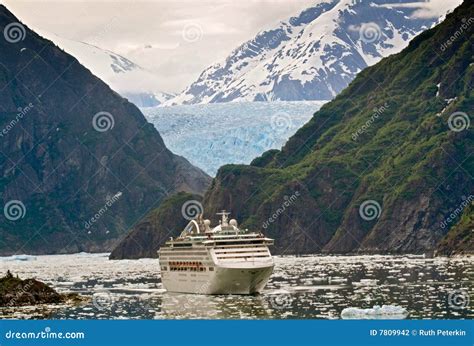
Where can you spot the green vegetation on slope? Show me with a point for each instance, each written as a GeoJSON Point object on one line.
{"type": "Point", "coordinates": [386, 140]}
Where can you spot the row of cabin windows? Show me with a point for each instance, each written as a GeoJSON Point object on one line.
{"type": "Point", "coordinates": [184, 263]}
{"type": "Point", "coordinates": [193, 269]}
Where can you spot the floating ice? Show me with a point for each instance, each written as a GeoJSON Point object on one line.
{"type": "Point", "coordinates": [18, 258]}
{"type": "Point", "coordinates": [377, 312]}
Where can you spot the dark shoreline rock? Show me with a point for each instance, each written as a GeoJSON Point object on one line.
{"type": "Point", "coordinates": [16, 292]}
{"type": "Point", "coordinates": [155, 228]}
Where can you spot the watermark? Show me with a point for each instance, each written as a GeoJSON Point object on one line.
{"type": "Point", "coordinates": [103, 121]}
{"type": "Point", "coordinates": [102, 300]}
{"type": "Point", "coordinates": [294, 21]}
{"type": "Point", "coordinates": [288, 201]}
{"type": "Point", "coordinates": [370, 210]}
{"type": "Point", "coordinates": [14, 32]}
{"type": "Point", "coordinates": [281, 122]}
{"type": "Point", "coordinates": [275, 38]}
{"type": "Point", "coordinates": [98, 35]}
{"type": "Point", "coordinates": [109, 202]}
{"type": "Point", "coordinates": [14, 210]}
{"type": "Point", "coordinates": [466, 23]}
{"type": "Point", "coordinates": [19, 293]}
{"type": "Point", "coordinates": [457, 212]}
{"type": "Point", "coordinates": [192, 301]}
{"type": "Point", "coordinates": [370, 32]}
{"type": "Point", "coordinates": [191, 209]}
{"type": "Point", "coordinates": [192, 32]}
{"type": "Point", "coordinates": [281, 301]}
{"type": "Point", "coordinates": [458, 299]}
{"type": "Point", "coordinates": [272, 43]}
{"type": "Point", "coordinates": [44, 334]}
{"type": "Point", "coordinates": [459, 121]}
{"type": "Point", "coordinates": [377, 112]}
{"type": "Point", "coordinates": [22, 111]}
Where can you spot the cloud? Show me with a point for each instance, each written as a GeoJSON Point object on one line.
{"type": "Point", "coordinates": [427, 9]}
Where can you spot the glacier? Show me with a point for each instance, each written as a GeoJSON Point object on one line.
{"type": "Point", "coordinates": [212, 135]}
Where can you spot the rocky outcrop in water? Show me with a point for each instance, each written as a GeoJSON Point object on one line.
{"type": "Point", "coordinates": [17, 292]}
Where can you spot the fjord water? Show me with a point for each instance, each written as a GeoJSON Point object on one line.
{"type": "Point", "coordinates": [212, 135]}
{"type": "Point", "coordinates": [317, 287]}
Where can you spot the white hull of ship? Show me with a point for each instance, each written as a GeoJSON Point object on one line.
{"type": "Point", "coordinates": [223, 280]}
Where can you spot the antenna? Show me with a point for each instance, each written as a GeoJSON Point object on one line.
{"type": "Point", "coordinates": [225, 217]}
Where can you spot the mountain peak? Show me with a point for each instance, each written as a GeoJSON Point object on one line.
{"type": "Point", "coordinates": [311, 56]}
{"type": "Point", "coordinates": [379, 169]}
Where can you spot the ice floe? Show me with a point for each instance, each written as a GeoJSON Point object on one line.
{"type": "Point", "coordinates": [377, 312]}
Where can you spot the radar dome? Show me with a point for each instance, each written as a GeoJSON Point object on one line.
{"type": "Point", "coordinates": [207, 222]}
{"type": "Point", "coordinates": [233, 222]}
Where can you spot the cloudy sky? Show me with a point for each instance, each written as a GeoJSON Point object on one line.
{"type": "Point", "coordinates": [150, 33]}
{"type": "Point", "coordinates": [175, 39]}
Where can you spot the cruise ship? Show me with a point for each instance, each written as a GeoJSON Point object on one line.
{"type": "Point", "coordinates": [218, 260]}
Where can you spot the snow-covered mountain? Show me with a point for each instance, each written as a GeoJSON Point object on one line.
{"type": "Point", "coordinates": [314, 55]}
{"type": "Point", "coordinates": [147, 99]}
{"type": "Point", "coordinates": [122, 75]}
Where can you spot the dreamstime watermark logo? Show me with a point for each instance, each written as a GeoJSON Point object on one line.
{"type": "Point", "coordinates": [370, 32]}
{"type": "Point", "coordinates": [377, 112]}
{"type": "Point", "coordinates": [288, 201]}
{"type": "Point", "coordinates": [457, 212]}
{"type": "Point", "coordinates": [281, 122]}
{"type": "Point", "coordinates": [19, 293]}
{"type": "Point", "coordinates": [106, 28]}
{"type": "Point", "coordinates": [46, 334]}
{"type": "Point", "coordinates": [273, 42]}
{"type": "Point", "coordinates": [102, 300]}
{"type": "Point", "coordinates": [370, 210]}
{"type": "Point", "coordinates": [109, 202]}
{"type": "Point", "coordinates": [466, 23]}
{"type": "Point", "coordinates": [192, 32]}
{"type": "Point", "coordinates": [459, 121]}
{"type": "Point", "coordinates": [22, 111]}
{"type": "Point", "coordinates": [14, 210]}
{"type": "Point", "coordinates": [191, 209]}
{"type": "Point", "coordinates": [191, 301]}
{"type": "Point", "coordinates": [103, 121]}
{"type": "Point", "coordinates": [14, 32]}
{"type": "Point", "coordinates": [458, 299]}
{"type": "Point", "coordinates": [281, 301]}
{"type": "Point", "coordinates": [374, 295]}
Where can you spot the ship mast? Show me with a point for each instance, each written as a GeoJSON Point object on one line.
{"type": "Point", "coordinates": [225, 217]}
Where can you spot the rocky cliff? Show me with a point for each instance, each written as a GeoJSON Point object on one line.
{"type": "Point", "coordinates": [159, 225]}
{"type": "Point", "coordinates": [79, 165]}
{"type": "Point", "coordinates": [459, 240]}
{"type": "Point", "coordinates": [380, 168]}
